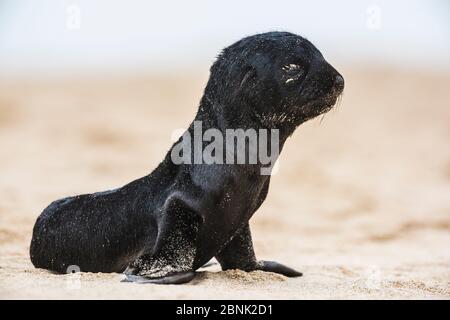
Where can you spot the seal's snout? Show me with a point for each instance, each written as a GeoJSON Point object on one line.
{"type": "Point", "coordinates": [338, 84]}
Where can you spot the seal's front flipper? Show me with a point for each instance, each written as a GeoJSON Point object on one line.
{"type": "Point", "coordinates": [272, 266]}
{"type": "Point", "coordinates": [239, 254]}
{"type": "Point", "coordinates": [174, 278]}
{"type": "Point", "coordinates": [172, 259]}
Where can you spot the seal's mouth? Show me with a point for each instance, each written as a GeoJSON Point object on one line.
{"type": "Point", "coordinates": [320, 106]}
{"type": "Point", "coordinates": [326, 102]}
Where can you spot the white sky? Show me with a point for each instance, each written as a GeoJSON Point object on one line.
{"type": "Point", "coordinates": [143, 34]}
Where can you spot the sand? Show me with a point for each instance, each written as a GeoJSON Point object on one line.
{"type": "Point", "coordinates": [360, 204]}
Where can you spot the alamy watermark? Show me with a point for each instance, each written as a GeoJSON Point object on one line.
{"type": "Point", "coordinates": [73, 280]}
{"type": "Point", "coordinates": [373, 277]}
{"type": "Point", "coordinates": [73, 18]}
{"type": "Point", "coordinates": [373, 17]}
{"type": "Point", "coordinates": [234, 146]}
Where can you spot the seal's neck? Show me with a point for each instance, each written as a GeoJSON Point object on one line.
{"type": "Point", "coordinates": [213, 115]}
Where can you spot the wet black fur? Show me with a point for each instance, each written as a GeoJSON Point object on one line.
{"type": "Point", "coordinates": [204, 207]}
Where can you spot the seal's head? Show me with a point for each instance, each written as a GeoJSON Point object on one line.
{"type": "Point", "coordinates": [278, 79]}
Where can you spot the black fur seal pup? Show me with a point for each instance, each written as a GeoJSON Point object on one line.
{"type": "Point", "coordinates": [164, 226]}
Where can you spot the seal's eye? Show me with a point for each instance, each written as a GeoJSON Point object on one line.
{"type": "Point", "coordinates": [292, 72]}
{"type": "Point", "coordinates": [292, 68]}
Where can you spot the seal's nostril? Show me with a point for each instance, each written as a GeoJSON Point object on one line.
{"type": "Point", "coordinates": [339, 83]}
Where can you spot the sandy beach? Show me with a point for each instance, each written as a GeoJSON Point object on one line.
{"type": "Point", "coordinates": [360, 203]}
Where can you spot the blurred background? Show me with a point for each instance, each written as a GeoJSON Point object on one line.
{"type": "Point", "coordinates": [92, 91]}
{"type": "Point", "coordinates": [62, 36]}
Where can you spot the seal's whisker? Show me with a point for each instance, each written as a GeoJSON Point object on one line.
{"type": "Point", "coordinates": [321, 119]}
{"type": "Point", "coordinates": [338, 103]}
{"type": "Point", "coordinates": [339, 100]}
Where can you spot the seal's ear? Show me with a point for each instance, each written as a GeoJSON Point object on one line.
{"type": "Point", "coordinates": [249, 76]}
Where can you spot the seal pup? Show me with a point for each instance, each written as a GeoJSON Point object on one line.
{"type": "Point", "coordinates": [162, 227]}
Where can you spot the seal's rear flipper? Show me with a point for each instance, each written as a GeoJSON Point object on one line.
{"type": "Point", "coordinates": [174, 278]}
